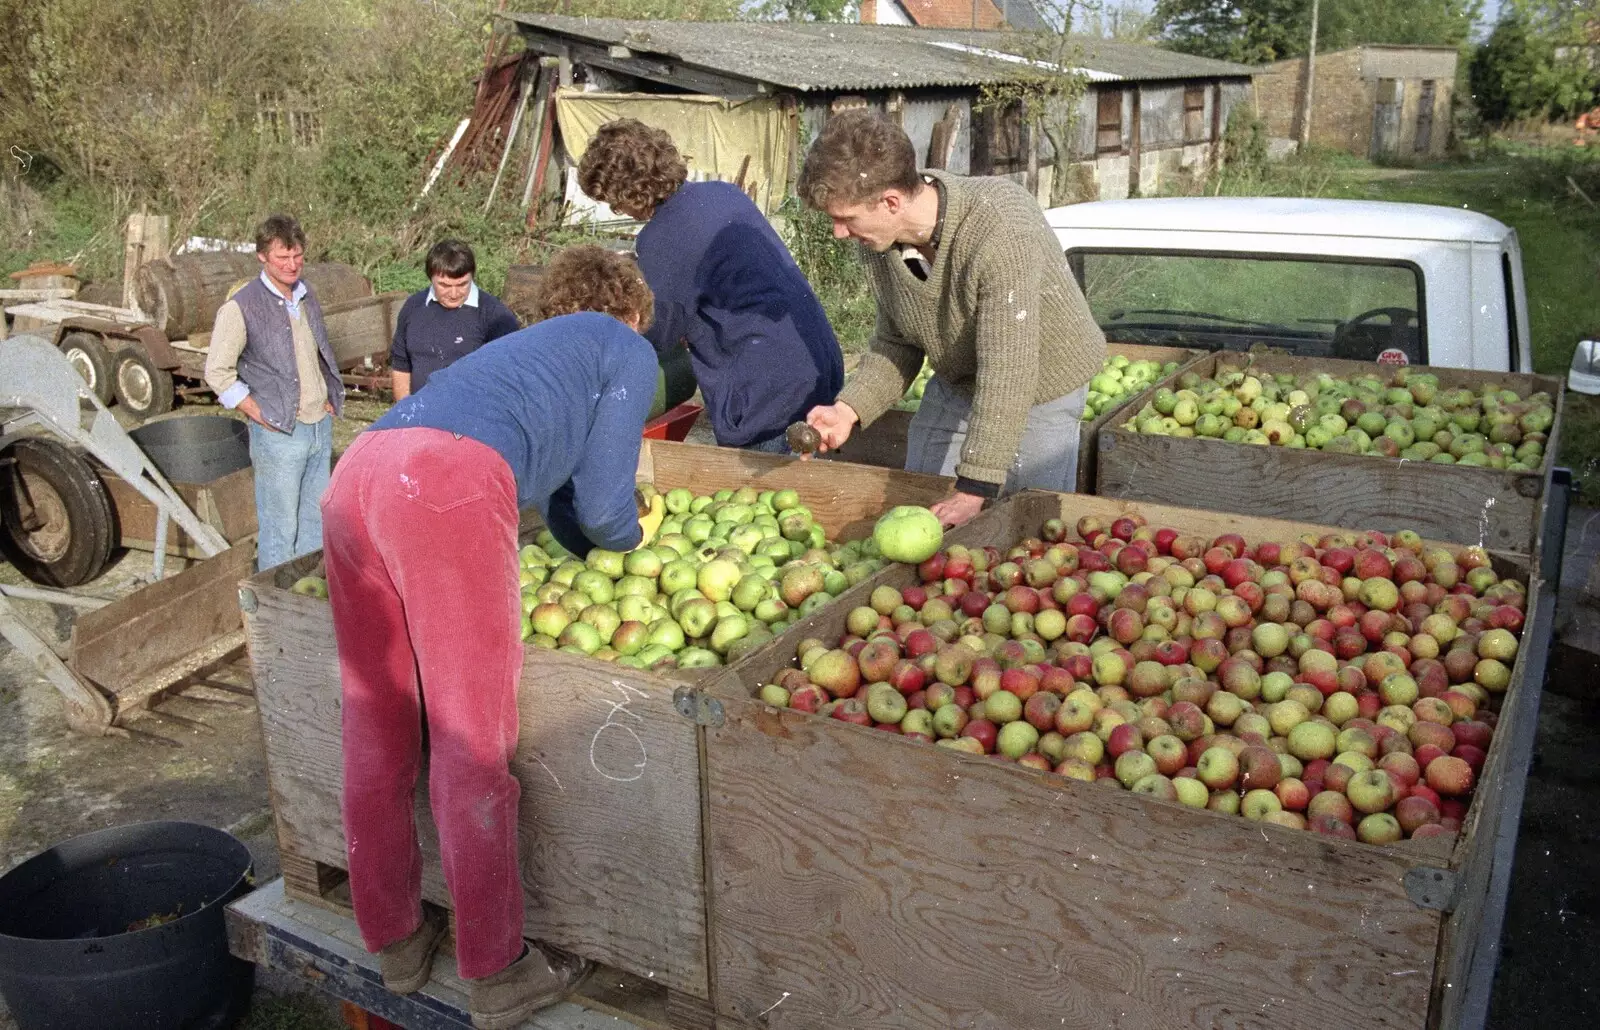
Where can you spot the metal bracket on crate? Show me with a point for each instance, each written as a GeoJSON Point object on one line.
{"type": "Point", "coordinates": [247, 600]}
{"type": "Point", "coordinates": [697, 707]}
{"type": "Point", "coordinates": [1428, 887]}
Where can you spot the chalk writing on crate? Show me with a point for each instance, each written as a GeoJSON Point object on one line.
{"type": "Point", "coordinates": [616, 752]}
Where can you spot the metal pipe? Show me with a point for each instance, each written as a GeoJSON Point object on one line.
{"type": "Point", "coordinates": [27, 593]}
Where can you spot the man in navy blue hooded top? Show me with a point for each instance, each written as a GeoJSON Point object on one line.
{"type": "Point", "coordinates": [725, 286]}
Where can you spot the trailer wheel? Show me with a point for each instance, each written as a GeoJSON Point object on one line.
{"type": "Point", "coordinates": [142, 388]}
{"type": "Point", "coordinates": [87, 353]}
{"type": "Point", "coordinates": [56, 521]}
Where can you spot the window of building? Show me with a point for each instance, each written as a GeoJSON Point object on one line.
{"type": "Point", "coordinates": [999, 140]}
{"type": "Point", "coordinates": [1194, 114]}
{"type": "Point", "coordinates": [1108, 123]}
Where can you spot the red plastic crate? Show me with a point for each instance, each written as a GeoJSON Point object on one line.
{"type": "Point", "coordinates": [674, 423]}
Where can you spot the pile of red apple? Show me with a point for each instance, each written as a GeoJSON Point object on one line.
{"type": "Point", "coordinates": [1340, 684]}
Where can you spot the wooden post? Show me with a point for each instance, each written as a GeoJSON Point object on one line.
{"type": "Point", "coordinates": [541, 160]}
{"type": "Point", "coordinates": [1216, 126]}
{"type": "Point", "coordinates": [547, 69]}
{"type": "Point", "coordinates": [1135, 148]}
{"type": "Point", "coordinates": [144, 239]}
{"type": "Point", "coordinates": [1311, 77]}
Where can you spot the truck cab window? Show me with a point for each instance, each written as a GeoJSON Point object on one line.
{"type": "Point", "coordinates": [1317, 307]}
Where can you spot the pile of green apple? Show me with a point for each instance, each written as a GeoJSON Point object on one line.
{"type": "Point", "coordinates": [1121, 378]}
{"type": "Point", "coordinates": [726, 572]}
{"type": "Point", "coordinates": [1343, 684]}
{"type": "Point", "coordinates": [1403, 415]}
{"type": "Point", "coordinates": [912, 400]}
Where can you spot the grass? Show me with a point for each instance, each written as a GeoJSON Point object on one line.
{"type": "Point", "coordinates": [1526, 187]}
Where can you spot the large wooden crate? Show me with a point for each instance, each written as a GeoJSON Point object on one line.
{"type": "Point", "coordinates": [1493, 508]}
{"type": "Point", "coordinates": [610, 769]}
{"type": "Point", "coordinates": [860, 879]}
{"type": "Point", "coordinates": [884, 442]}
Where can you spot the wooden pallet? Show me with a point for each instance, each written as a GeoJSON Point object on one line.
{"type": "Point", "coordinates": [317, 943]}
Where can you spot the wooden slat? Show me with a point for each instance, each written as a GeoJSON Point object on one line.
{"type": "Point", "coordinates": [152, 637]}
{"type": "Point", "coordinates": [610, 846]}
{"type": "Point", "coordinates": [865, 881]}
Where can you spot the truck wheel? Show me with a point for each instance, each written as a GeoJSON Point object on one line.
{"type": "Point", "coordinates": [142, 388]}
{"type": "Point", "coordinates": [89, 356]}
{"type": "Point", "coordinates": [56, 521]}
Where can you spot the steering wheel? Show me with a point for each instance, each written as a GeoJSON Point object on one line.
{"type": "Point", "coordinates": [1400, 320]}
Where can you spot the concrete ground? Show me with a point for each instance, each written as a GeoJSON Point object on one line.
{"type": "Point", "coordinates": [54, 784]}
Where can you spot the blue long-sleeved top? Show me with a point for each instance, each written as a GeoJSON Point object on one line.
{"type": "Point", "coordinates": [760, 343]}
{"type": "Point", "coordinates": [563, 402]}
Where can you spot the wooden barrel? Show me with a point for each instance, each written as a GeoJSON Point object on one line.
{"type": "Point", "coordinates": [181, 294]}
{"type": "Point", "coordinates": [521, 294]}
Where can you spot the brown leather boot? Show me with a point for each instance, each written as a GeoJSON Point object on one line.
{"type": "Point", "coordinates": [538, 979]}
{"type": "Point", "coordinates": [407, 964]}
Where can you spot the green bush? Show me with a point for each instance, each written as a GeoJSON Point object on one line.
{"type": "Point", "coordinates": [1516, 74]}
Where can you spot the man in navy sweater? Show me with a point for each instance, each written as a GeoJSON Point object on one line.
{"type": "Point", "coordinates": [724, 283]}
{"type": "Point", "coordinates": [420, 540]}
{"type": "Point", "coordinates": [449, 320]}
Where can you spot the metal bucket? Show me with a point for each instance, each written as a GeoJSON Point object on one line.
{"type": "Point", "coordinates": [195, 448]}
{"type": "Point", "coordinates": [122, 929]}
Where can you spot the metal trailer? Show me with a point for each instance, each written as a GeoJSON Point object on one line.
{"type": "Point", "coordinates": [57, 526]}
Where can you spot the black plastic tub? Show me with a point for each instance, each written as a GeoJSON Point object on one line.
{"type": "Point", "coordinates": [195, 448]}
{"type": "Point", "coordinates": [122, 929]}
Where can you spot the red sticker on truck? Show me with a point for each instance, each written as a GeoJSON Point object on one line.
{"type": "Point", "coordinates": [1393, 356]}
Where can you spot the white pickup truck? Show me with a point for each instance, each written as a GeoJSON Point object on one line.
{"type": "Point", "coordinates": [1364, 280]}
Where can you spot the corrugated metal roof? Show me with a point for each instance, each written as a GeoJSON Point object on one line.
{"type": "Point", "coordinates": [808, 56]}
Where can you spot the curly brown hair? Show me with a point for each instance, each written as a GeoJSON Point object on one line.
{"type": "Point", "coordinates": [588, 277]}
{"type": "Point", "coordinates": [857, 156]}
{"type": "Point", "coordinates": [630, 164]}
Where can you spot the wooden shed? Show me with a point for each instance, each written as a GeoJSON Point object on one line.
{"type": "Point", "coordinates": [1145, 115]}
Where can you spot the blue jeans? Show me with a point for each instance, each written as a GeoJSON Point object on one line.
{"type": "Point", "coordinates": [291, 472]}
{"type": "Point", "coordinates": [777, 445]}
{"type": "Point", "coordinates": [1046, 460]}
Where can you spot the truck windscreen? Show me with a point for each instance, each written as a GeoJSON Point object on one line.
{"type": "Point", "coordinates": [1330, 307]}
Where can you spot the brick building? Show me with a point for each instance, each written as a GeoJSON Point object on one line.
{"type": "Point", "coordinates": [1376, 100]}
{"type": "Point", "coordinates": [953, 14]}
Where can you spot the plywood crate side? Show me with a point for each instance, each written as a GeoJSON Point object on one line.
{"type": "Point", "coordinates": [854, 872]}
{"type": "Point", "coordinates": [610, 773]}
{"type": "Point", "coordinates": [1463, 860]}
{"type": "Point", "coordinates": [1493, 507]}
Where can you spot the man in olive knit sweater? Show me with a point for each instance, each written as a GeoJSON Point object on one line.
{"type": "Point", "coordinates": [966, 272]}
